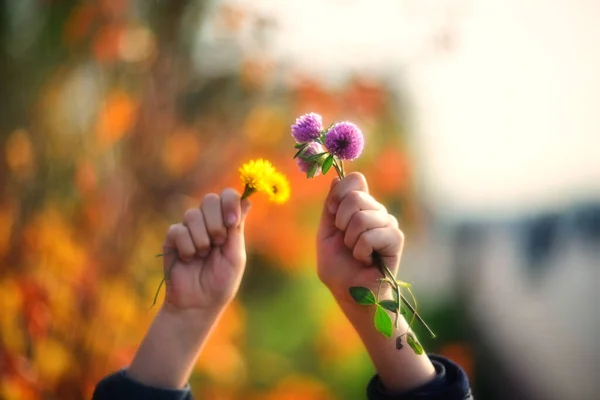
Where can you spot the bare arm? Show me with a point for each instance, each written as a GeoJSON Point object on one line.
{"type": "Point", "coordinates": [353, 226]}
{"type": "Point", "coordinates": [207, 255]}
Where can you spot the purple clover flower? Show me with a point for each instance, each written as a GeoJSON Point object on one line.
{"type": "Point", "coordinates": [310, 150]}
{"type": "Point", "coordinates": [307, 127]}
{"type": "Point", "coordinates": [345, 140]}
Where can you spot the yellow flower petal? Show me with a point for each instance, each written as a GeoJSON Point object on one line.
{"type": "Point", "coordinates": [255, 173]}
{"type": "Point", "coordinates": [279, 188]}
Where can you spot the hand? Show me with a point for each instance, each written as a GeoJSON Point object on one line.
{"type": "Point", "coordinates": [353, 226]}
{"type": "Point", "coordinates": [207, 254]}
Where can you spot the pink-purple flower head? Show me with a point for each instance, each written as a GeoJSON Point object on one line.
{"type": "Point", "coordinates": [345, 140]}
{"type": "Point", "coordinates": [310, 150]}
{"type": "Point", "coordinates": [307, 128]}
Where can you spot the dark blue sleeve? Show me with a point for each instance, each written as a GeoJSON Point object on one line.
{"type": "Point", "coordinates": [118, 386]}
{"type": "Point", "coordinates": [451, 383]}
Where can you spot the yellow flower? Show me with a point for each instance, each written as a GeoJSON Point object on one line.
{"type": "Point", "coordinates": [255, 175]}
{"type": "Point", "coordinates": [279, 188]}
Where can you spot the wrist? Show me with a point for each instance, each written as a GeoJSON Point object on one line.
{"type": "Point", "coordinates": [171, 346]}
{"type": "Point", "coordinates": [189, 320]}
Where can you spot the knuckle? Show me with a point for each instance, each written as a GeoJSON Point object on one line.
{"type": "Point", "coordinates": [361, 220]}
{"type": "Point", "coordinates": [230, 193]}
{"type": "Point", "coordinates": [354, 196]}
{"type": "Point", "coordinates": [210, 198]}
{"type": "Point", "coordinates": [191, 215]}
{"type": "Point", "coordinates": [173, 230]}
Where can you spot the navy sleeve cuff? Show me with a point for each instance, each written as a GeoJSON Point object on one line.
{"type": "Point", "coordinates": [450, 383]}
{"type": "Point", "coordinates": [119, 386]}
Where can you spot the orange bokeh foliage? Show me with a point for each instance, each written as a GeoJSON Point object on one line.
{"type": "Point", "coordinates": [391, 172]}
{"type": "Point", "coordinates": [85, 177]}
{"type": "Point", "coordinates": [19, 153]}
{"type": "Point", "coordinates": [79, 23]}
{"type": "Point", "coordinates": [116, 118]}
{"type": "Point", "coordinates": [106, 43]}
{"type": "Point", "coordinates": [337, 340]}
{"type": "Point", "coordinates": [462, 354]}
{"type": "Point", "coordinates": [311, 96]}
{"type": "Point", "coordinates": [364, 97]}
{"type": "Point", "coordinates": [181, 152]}
{"type": "Point", "coordinates": [298, 387]}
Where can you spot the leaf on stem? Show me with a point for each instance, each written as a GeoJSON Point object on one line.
{"type": "Point", "coordinates": [383, 322]}
{"type": "Point", "coordinates": [312, 170]}
{"type": "Point", "coordinates": [301, 149]}
{"type": "Point", "coordinates": [392, 305]}
{"type": "Point", "coordinates": [314, 157]}
{"type": "Point", "coordinates": [414, 344]}
{"type": "Point", "coordinates": [327, 164]}
{"type": "Point", "coordinates": [362, 295]}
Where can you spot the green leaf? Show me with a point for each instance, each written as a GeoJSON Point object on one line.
{"type": "Point", "coordinates": [299, 151]}
{"type": "Point", "coordinates": [383, 322]}
{"type": "Point", "coordinates": [314, 157]}
{"type": "Point", "coordinates": [312, 170]}
{"type": "Point", "coordinates": [300, 145]}
{"type": "Point", "coordinates": [414, 344]}
{"type": "Point", "coordinates": [389, 305]}
{"type": "Point", "coordinates": [327, 164]}
{"type": "Point", "coordinates": [362, 295]}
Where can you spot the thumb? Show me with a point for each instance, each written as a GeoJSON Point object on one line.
{"type": "Point", "coordinates": [327, 226]}
{"type": "Point", "coordinates": [235, 234]}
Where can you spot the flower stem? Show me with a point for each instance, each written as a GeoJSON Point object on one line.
{"type": "Point", "coordinates": [247, 192]}
{"type": "Point", "coordinates": [385, 271]}
{"type": "Point", "coordinates": [339, 167]}
{"type": "Point", "coordinates": [167, 274]}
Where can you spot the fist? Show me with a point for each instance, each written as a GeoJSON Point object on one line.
{"type": "Point", "coordinates": [206, 254]}
{"type": "Point", "coordinates": [353, 226]}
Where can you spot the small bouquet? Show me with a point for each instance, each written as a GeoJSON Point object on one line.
{"type": "Point", "coordinates": [318, 150]}
{"type": "Point", "coordinates": [257, 176]}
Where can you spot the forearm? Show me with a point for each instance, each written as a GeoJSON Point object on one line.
{"type": "Point", "coordinates": [171, 346]}
{"type": "Point", "coordinates": [398, 370]}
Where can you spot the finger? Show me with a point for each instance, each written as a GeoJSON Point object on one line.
{"type": "Point", "coordinates": [327, 225]}
{"type": "Point", "coordinates": [213, 217]}
{"type": "Point", "coordinates": [363, 221]}
{"type": "Point", "coordinates": [193, 219]}
{"type": "Point", "coordinates": [387, 242]}
{"type": "Point", "coordinates": [179, 238]}
{"type": "Point", "coordinates": [353, 202]}
{"type": "Point", "coordinates": [231, 207]}
{"type": "Point", "coordinates": [235, 236]}
{"type": "Point", "coordinates": [353, 181]}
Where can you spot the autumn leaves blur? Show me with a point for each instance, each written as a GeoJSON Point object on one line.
{"type": "Point", "coordinates": [116, 135]}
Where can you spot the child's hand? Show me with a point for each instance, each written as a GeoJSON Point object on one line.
{"type": "Point", "coordinates": [210, 253]}
{"type": "Point", "coordinates": [353, 226]}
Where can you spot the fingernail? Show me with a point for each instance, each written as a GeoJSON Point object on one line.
{"type": "Point", "coordinates": [231, 219]}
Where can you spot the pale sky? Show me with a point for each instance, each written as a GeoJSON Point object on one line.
{"type": "Point", "coordinates": [508, 120]}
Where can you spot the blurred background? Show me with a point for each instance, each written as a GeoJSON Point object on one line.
{"type": "Point", "coordinates": [482, 136]}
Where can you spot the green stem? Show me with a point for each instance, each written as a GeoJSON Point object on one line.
{"type": "Point", "coordinates": [386, 271]}
{"type": "Point", "coordinates": [247, 192]}
{"type": "Point", "coordinates": [167, 274]}
{"type": "Point", "coordinates": [338, 169]}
